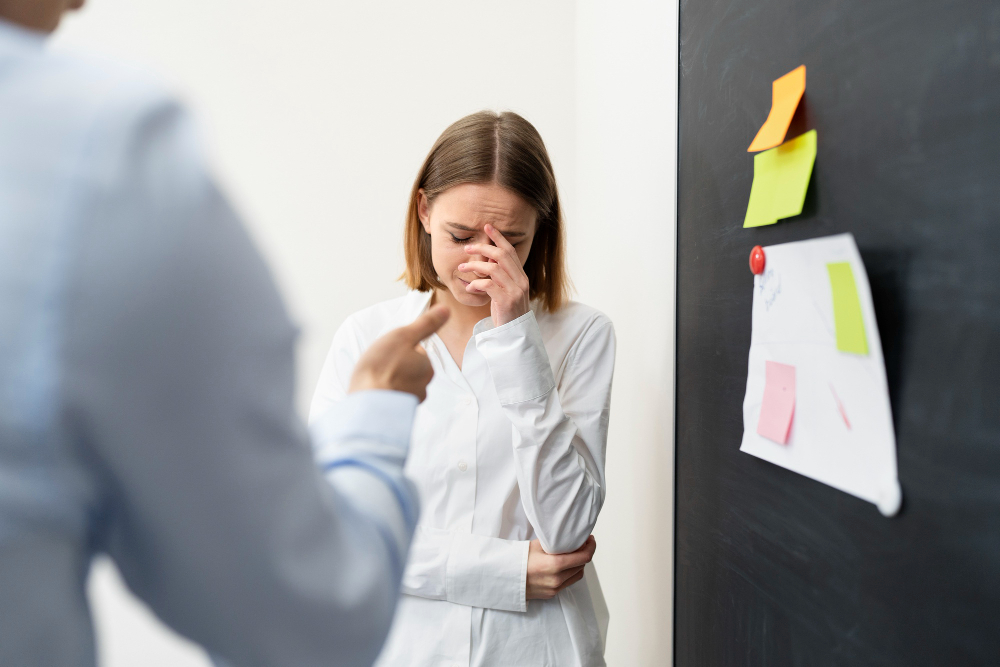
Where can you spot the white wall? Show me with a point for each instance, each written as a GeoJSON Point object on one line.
{"type": "Point", "coordinates": [318, 117]}
{"type": "Point", "coordinates": [623, 261]}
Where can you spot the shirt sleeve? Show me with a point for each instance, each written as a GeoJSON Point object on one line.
{"type": "Point", "coordinates": [178, 383]}
{"type": "Point", "coordinates": [467, 569]}
{"type": "Point", "coordinates": [559, 433]}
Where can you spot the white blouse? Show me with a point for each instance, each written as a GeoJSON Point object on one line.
{"type": "Point", "coordinates": [507, 449]}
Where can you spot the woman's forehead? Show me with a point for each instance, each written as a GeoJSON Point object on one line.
{"type": "Point", "coordinates": [471, 206]}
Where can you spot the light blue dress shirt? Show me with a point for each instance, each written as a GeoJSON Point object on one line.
{"type": "Point", "coordinates": [146, 398]}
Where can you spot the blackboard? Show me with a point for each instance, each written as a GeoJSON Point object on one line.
{"type": "Point", "coordinates": [772, 568]}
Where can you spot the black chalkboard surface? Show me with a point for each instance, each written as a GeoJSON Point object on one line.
{"type": "Point", "coordinates": [773, 568]}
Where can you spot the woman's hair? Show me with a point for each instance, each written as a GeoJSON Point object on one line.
{"type": "Point", "coordinates": [487, 147]}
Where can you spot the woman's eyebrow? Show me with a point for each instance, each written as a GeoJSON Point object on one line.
{"type": "Point", "coordinates": [463, 228]}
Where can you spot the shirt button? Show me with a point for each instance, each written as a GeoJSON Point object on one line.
{"type": "Point", "coordinates": [463, 466]}
{"type": "Point", "coordinates": [467, 400]}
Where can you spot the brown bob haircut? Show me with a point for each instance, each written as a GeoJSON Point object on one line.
{"type": "Point", "coordinates": [501, 148]}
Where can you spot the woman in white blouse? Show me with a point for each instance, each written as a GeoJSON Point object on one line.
{"type": "Point", "coordinates": [508, 448]}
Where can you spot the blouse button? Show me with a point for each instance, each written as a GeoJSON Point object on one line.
{"type": "Point", "coordinates": [463, 466]}
{"type": "Point", "coordinates": [467, 400]}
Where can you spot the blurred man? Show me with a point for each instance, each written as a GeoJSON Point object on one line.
{"type": "Point", "coordinates": [146, 380]}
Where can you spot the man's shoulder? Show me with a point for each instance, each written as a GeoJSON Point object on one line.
{"type": "Point", "coordinates": [62, 104]}
{"type": "Point", "coordinates": [88, 85]}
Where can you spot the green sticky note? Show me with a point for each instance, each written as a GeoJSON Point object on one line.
{"type": "Point", "coordinates": [780, 178]}
{"type": "Point", "coordinates": [847, 309]}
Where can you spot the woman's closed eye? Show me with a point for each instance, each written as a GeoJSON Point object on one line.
{"type": "Point", "coordinates": [469, 238]}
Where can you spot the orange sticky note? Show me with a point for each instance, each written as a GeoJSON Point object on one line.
{"type": "Point", "coordinates": [785, 95]}
{"type": "Point", "coordinates": [778, 406]}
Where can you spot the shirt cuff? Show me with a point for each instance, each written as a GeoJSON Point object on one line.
{"type": "Point", "coordinates": [518, 362]}
{"type": "Point", "coordinates": [381, 416]}
{"type": "Point", "coordinates": [488, 572]}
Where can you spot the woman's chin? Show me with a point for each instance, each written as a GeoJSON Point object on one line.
{"type": "Point", "coordinates": [474, 300]}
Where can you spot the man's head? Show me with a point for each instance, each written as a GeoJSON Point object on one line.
{"type": "Point", "coordinates": [40, 15]}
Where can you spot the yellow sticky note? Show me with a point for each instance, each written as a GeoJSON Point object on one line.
{"type": "Point", "coordinates": [848, 321]}
{"type": "Point", "coordinates": [780, 179]}
{"type": "Point", "coordinates": [785, 95]}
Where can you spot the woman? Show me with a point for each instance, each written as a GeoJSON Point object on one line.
{"type": "Point", "coordinates": [508, 448]}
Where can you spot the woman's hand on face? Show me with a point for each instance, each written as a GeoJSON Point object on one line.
{"type": "Point", "coordinates": [550, 573]}
{"type": "Point", "coordinates": [505, 280]}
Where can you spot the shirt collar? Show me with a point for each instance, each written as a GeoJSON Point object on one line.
{"type": "Point", "coordinates": [419, 302]}
{"type": "Point", "coordinates": [415, 304]}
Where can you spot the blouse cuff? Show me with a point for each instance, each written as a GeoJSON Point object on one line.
{"type": "Point", "coordinates": [488, 572]}
{"type": "Point", "coordinates": [518, 362]}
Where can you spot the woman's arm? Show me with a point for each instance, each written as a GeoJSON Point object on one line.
{"type": "Point", "coordinates": [473, 570]}
{"type": "Point", "coordinates": [462, 568]}
{"type": "Point", "coordinates": [489, 572]}
{"type": "Point", "coordinates": [560, 434]}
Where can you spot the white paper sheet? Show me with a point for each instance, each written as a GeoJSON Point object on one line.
{"type": "Point", "coordinates": [793, 323]}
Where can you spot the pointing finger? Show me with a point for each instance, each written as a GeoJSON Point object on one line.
{"type": "Point", "coordinates": [425, 325]}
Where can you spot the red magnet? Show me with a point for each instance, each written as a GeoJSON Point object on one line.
{"type": "Point", "coordinates": [757, 260]}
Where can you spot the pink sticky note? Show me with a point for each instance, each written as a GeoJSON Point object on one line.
{"type": "Point", "coordinates": [779, 402]}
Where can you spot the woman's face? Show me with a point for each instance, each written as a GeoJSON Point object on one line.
{"type": "Point", "coordinates": [456, 219]}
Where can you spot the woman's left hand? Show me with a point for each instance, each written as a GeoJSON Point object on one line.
{"type": "Point", "coordinates": [506, 284]}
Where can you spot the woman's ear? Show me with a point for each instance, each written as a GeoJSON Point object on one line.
{"type": "Point", "coordinates": [423, 210]}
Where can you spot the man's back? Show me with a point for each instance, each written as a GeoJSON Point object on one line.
{"type": "Point", "coordinates": [146, 374]}
{"type": "Point", "coordinates": [48, 491]}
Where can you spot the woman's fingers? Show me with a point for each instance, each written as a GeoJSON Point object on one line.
{"type": "Point", "coordinates": [508, 284]}
{"type": "Point", "coordinates": [553, 583]}
{"type": "Point", "coordinates": [491, 269]}
{"type": "Point", "coordinates": [572, 580]}
{"type": "Point", "coordinates": [513, 277]}
{"type": "Point", "coordinates": [569, 574]}
{"type": "Point", "coordinates": [484, 285]}
{"type": "Point", "coordinates": [581, 556]}
{"type": "Point", "coordinates": [499, 238]}
{"type": "Point", "coordinates": [486, 249]}
{"type": "Point", "coordinates": [506, 256]}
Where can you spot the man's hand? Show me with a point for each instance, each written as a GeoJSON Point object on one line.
{"type": "Point", "coordinates": [396, 361]}
{"type": "Point", "coordinates": [550, 573]}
